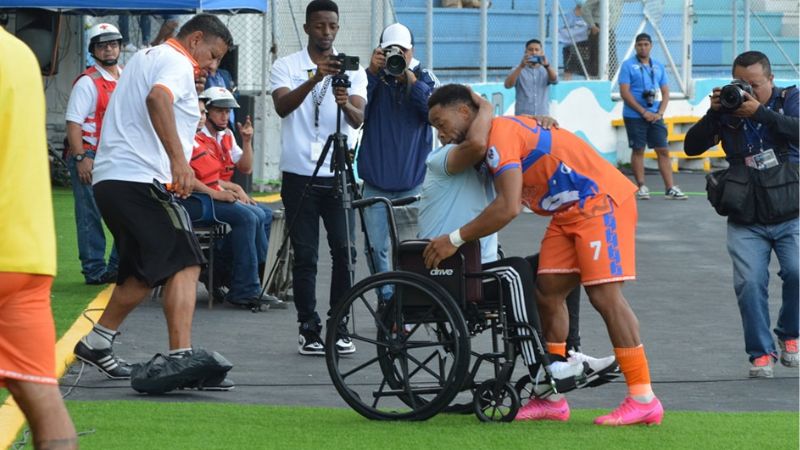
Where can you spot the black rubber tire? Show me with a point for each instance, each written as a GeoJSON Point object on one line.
{"type": "Point", "coordinates": [496, 407]}
{"type": "Point", "coordinates": [444, 313]}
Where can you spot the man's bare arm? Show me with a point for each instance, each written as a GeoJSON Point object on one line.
{"type": "Point", "coordinates": [159, 107]}
{"type": "Point", "coordinates": [473, 148]}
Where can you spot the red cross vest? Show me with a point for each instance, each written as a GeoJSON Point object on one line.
{"type": "Point", "coordinates": [205, 160]}
{"type": "Point", "coordinates": [104, 89]}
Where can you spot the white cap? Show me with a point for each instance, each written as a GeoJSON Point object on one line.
{"type": "Point", "coordinates": [396, 34]}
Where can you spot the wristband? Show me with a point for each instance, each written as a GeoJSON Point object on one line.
{"type": "Point", "coordinates": [455, 238]}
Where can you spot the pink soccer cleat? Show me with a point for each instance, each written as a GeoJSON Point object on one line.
{"type": "Point", "coordinates": [539, 409]}
{"type": "Point", "coordinates": [631, 412]}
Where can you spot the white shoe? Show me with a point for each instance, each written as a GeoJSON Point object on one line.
{"type": "Point", "coordinates": [129, 48]}
{"type": "Point", "coordinates": [594, 366]}
{"type": "Point", "coordinates": [560, 370]}
{"type": "Point", "coordinates": [643, 193]}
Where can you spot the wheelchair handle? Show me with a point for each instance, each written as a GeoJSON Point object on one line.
{"type": "Point", "coordinates": [366, 202]}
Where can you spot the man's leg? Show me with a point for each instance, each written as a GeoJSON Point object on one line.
{"type": "Point", "coordinates": [786, 248]}
{"type": "Point", "coordinates": [551, 293]}
{"type": "Point", "coordinates": [91, 236]}
{"type": "Point", "coordinates": [241, 245]}
{"type": "Point", "coordinates": [749, 248]}
{"type": "Point", "coordinates": [180, 294]}
{"type": "Point", "coordinates": [377, 230]}
{"type": "Point", "coordinates": [664, 167]}
{"type": "Point", "coordinates": [636, 129]}
{"type": "Point", "coordinates": [573, 308]}
{"type": "Point", "coordinates": [46, 414]}
{"type": "Point", "coordinates": [124, 298]}
{"type": "Point", "coordinates": [637, 166]}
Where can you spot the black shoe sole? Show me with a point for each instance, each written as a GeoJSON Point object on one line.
{"type": "Point", "coordinates": [603, 376]}
{"type": "Point", "coordinates": [100, 369]}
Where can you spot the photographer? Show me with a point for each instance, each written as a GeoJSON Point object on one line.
{"type": "Point", "coordinates": [757, 124]}
{"type": "Point", "coordinates": [643, 86]}
{"type": "Point", "coordinates": [302, 84]}
{"type": "Point", "coordinates": [397, 136]}
{"type": "Point", "coordinates": [531, 80]}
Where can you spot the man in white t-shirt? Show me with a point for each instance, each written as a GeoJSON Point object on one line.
{"type": "Point", "coordinates": [87, 105]}
{"type": "Point", "coordinates": [307, 102]}
{"type": "Point", "coordinates": [144, 151]}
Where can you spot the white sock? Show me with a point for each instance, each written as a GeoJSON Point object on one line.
{"type": "Point", "coordinates": [180, 351]}
{"type": "Point", "coordinates": [646, 398]}
{"type": "Point", "coordinates": [100, 338]}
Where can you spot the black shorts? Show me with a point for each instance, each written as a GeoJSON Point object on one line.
{"type": "Point", "coordinates": [152, 231]}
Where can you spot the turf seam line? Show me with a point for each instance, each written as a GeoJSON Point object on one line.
{"type": "Point", "coordinates": [11, 417]}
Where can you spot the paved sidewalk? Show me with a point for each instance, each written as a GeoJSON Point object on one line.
{"type": "Point", "coordinates": [683, 297]}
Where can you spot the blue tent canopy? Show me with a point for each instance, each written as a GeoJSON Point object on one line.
{"type": "Point", "coordinates": [96, 7]}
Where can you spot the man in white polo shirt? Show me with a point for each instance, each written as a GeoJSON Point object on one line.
{"type": "Point", "coordinates": [148, 133]}
{"type": "Point", "coordinates": [305, 99]}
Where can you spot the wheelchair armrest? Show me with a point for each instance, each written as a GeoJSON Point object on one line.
{"type": "Point", "coordinates": [207, 215]}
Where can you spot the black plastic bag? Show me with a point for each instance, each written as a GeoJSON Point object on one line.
{"type": "Point", "coordinates": [163, 374]}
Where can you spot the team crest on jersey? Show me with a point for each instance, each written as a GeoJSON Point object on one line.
{"type": "Point", "coordinates": [492, 157]}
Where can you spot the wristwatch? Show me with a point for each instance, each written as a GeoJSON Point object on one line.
{"type": "Point", "coordinates": [80, 157]}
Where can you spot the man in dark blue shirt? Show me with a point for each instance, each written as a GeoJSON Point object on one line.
{"type": "Point", "coordinates": [397, 136]}
{"type": "Point", "coordinates": [759, 133]}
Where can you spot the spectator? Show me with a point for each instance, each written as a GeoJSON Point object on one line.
{"type": "Point", "coordinates": [591, 15]}
{"type": "Point", "coordinates": [223, 78]}
{"type": "Point", "coordinates": [531, 80]}
{"type": "Point", "coordinates": [574, 36]}
{"type": "Point", "coordinates": [28, 252]}
{"type": "Point", "coordinates": [589, 241]}
{"type": "Point", "coordinates": [760, 139]}
{"type": "Point", "coordinates": [397, 136]}
{"type": "Point", "coordinates": [215, 154]}
{"type": "Point", "coordinates": [300, 90]}
{"type": "Point", "coordinates": [147, 140]}
{"type": "Point", "coordinates": [85, 110]}
{"type": "Point", "coordinates": [166, 31]}
{"type": "Point", "coordinates": [644, 87]}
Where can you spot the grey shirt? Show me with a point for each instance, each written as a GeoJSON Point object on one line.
{"type": "Point", "coordinates": [532, 91]}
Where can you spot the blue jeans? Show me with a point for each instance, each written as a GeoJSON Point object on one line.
{"type": "Point", "coordinates": [91, 236]}
{"type": "Point", "coordinates": [750, 247]}
{"type": "Point", "coordinates": [323, 202]}
{"type": "Point", "coordinates": [240, 249]}
{"type": "Point", "coordinates": [378, 230]}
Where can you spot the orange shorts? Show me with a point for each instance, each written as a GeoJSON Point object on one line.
{"type": "Point", "coordinates": [601, 248]}
{"type": "Point", "coordinates": [27, 331]}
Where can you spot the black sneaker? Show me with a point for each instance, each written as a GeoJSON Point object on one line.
{"type": "Point", "coordinates": [104, 360]}
{"type": "Point", "coordinates": [309, 343]}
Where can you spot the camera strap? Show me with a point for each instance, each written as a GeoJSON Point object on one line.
{"type": "Point", "coordinates": [652, 73]}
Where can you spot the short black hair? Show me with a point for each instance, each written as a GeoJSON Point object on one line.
{"type": "Point", "coordinates": [452, 94]}
{"type": "Point", "coordinates": [533, 41]}
{"type": "Point", "coordinates": [643, 37]}
{"type": "Point", "coordinates": [321, 5]}
{"type": "Point", "coordinates": [747, 59]}
{"type": "Point", "coordinates": [210, 25]}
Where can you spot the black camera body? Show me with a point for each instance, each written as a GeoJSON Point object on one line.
{"type": "Point", "coordinates": [649, 97]}
{"type": "Point", "coordinates": [732, 96]}
{"type": "Point", "coordinates": [395, 60]}
{"type": "Point", "coordinates": [348, 63]}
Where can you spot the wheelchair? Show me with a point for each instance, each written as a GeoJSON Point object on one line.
{"type": "Point", "coordinates": [413, 328]}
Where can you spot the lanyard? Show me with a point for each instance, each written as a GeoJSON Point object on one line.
{"type": "Point", "coordinates": [318, 95]}
{"type": "Point", "coordinates": [652, 73]}
{"type": "Point", "coordinates": [754, 131]}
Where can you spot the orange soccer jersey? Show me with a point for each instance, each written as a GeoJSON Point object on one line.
{"type": "Point", "coordinates": [594, 216]}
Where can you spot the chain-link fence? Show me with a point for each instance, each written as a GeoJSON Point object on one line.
{"type": "Point", "coordinates": [726, 28]}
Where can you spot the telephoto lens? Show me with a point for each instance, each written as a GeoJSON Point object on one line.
{"type": "Point", "coordinates": [395, 61]}
{"type": "Point", "coordinates": [732, 96]}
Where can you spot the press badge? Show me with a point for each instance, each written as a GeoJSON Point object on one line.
{"type": "Point", "coordinates": [763, 160]}
{"type": "Point", "coordinates": [316, 150]}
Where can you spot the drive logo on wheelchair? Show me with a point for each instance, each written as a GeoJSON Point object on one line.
{"type": "Point", "coordinates": [441, 272]}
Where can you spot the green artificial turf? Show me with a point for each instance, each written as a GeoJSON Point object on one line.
{"type": "Point", "coordinates": [149, 425]}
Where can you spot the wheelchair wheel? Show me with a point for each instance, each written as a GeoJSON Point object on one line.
{"type": "Point", "coordinates": [496, 404]}
{"type": "Point", "coordinates": [412, 353]}
{"type": "Point", "coordinates": [524, 387]}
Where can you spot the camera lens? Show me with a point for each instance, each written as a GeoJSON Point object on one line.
{"type": "Point", "coordinates": [395, 61]}
{"type": "Point", "coordinates": [731, 97]}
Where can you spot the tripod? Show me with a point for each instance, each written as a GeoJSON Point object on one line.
{"type": "Point", "coordinates": [344, 186]}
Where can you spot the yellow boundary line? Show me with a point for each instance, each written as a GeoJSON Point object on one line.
{"type": "Point", "coordinates": [11, 418]}
{"type": "Point", "coordinates": [269, 198]}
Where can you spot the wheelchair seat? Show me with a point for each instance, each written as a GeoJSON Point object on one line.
{"type": "Point", "coordinates": [452, 273]}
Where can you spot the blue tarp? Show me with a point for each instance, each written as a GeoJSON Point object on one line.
{"type": "Point", "coordinates": [173, 6]}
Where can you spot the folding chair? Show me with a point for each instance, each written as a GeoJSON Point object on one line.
{"type": "Point", "coordinates": [208, 230]}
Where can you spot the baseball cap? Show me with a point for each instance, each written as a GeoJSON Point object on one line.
{"type": "Point", "coordinates": [397, 34]}
{"type": "Point", "coordinates": [643, 37]}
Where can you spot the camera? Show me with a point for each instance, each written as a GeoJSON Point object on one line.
{"type": "Point", "coordinates": [649, 96]}
{"type": "Point", "coordinates": [348, 63]}
{"type": "Point", "coordinates": [731, 96]}
{"type": "Point", "coordinates": [536, 59]}
{"type": "Point", "coordinates": [395, 61]}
